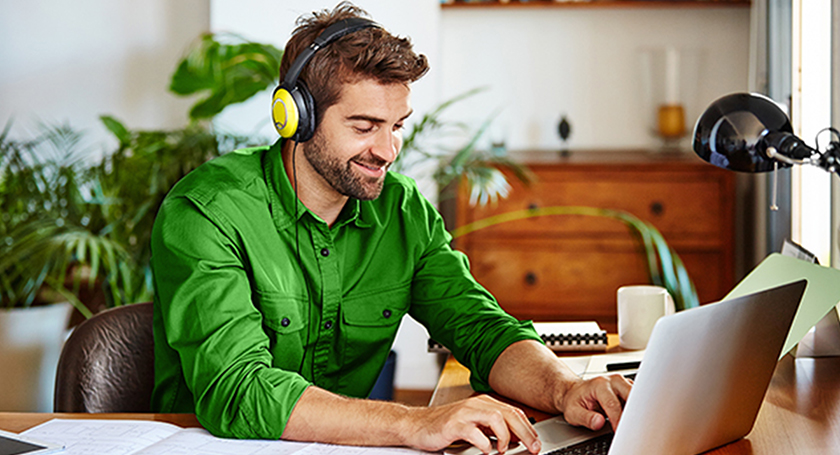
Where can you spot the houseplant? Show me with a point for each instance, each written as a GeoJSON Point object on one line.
{"type": "Point", "coordinates": [37, 196]}
{"type": "Point", "coordinates": [92, 222]}
{"type": "Point", "coordinates": [426, 144]}
{"type": "Point", "coordinates": [78, 233]}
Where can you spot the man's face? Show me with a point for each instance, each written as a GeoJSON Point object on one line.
{"type": "Point", "coordinates": [359, 137]}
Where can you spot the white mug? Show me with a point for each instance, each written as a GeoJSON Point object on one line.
{"type": "Point", "coordinates": [639, 307]}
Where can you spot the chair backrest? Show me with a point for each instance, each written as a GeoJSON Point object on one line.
{"type": "Point", "coordinates": [107, 364]}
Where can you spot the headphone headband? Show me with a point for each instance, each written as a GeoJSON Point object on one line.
{"type": "Point", "coordinates": [333, 32]}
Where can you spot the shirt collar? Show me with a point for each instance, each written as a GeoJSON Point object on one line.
{"type": "Point", "coordinates": [356, 212]}
{"type": "Point", "coordinates": [285, 207]}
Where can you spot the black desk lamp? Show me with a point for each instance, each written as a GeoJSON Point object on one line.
{"type": "Point", "coordinates": [749, 133]}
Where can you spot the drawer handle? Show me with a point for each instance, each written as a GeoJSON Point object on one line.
{"type": "Point", "coordinates": [531, 278]}
{"type": "Point", "coordinates": [657, 208]}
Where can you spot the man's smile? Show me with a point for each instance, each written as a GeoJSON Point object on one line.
{"type": "Point", "coordinates": [373, 170]}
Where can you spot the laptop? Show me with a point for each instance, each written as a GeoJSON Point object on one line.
{"type": "Point", "coordinates": [702, 381]}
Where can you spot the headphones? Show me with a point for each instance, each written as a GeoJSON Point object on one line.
{"type": "Point", "coordinates": [292, 106]}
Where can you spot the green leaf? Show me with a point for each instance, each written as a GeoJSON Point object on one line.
{"type": "Point", "coordinates": [77, 304]}
{"type": "Point", "coordinates": [94, 258]}
{"type": "Point", "coordinates": [223, 73]}
{"type": "Point", "coordinates": [118, 129]}
{"type": "Point", "coordinates": [188, 80]}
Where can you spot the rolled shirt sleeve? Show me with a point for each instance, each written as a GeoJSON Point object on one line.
{"type": "Point", "coordinates": [204, 308]}
{"type": "Point", "coordinates": [456, 310]}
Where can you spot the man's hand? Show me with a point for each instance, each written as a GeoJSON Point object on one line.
{"type": "Point", "coordinates": [586, 402]}
{"type": "Point", "coordinates": [470, 420]}
{"type": "Point", "coordinates": [552, 387]}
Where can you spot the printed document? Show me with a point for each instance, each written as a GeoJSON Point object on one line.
{"type": "Point", "coordinates": [141, 437]}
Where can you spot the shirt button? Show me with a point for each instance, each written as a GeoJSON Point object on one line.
{"type": "Point", "coordinates": [328, 325]}
{"type": "Point", "coordinates": [285, 322]}
{"type": "Point", "coordinates": [325, 252]}
{"type": "Point", "coordinates": [386, 313]}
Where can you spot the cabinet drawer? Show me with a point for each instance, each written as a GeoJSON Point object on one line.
{"type": "Point", "coordinates": [680, 206]}
{"type": "Point", "coordinates": [562, 280]}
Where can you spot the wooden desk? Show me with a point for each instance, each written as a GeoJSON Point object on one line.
{"type": "Point", "coordinates": [800, 414]}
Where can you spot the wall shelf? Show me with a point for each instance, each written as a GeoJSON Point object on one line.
{"type": "Point", "coordinates": [598, 4]}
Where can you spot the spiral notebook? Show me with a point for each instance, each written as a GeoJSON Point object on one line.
{"type": "Point", "coordinates": [560, 336]}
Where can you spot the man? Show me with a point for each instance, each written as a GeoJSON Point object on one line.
{"type": "Point", "coordinates": [282, 273]}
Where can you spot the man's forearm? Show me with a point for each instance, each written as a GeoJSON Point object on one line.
{"type": "Point", "coordinates": [530, 373]}
{"type": "Point", "coordinates": [322, 416]}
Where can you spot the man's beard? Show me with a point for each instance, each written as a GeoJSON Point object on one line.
{"type": "Point", "coordinates": [340, 175]}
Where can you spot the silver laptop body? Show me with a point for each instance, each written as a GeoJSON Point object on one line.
{"type": "Point", "coordinates": [705, 373]}
{"type": "Point", "coordinates": [702, 380]}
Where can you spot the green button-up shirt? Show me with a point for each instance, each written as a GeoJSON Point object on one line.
{"type": "Point", "coordinates": [256, 297]}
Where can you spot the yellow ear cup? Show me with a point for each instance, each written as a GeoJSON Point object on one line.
{"type": "Point", "coordinates": [284, 113]}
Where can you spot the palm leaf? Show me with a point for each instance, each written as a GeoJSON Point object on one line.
{"type": "Point", "coordinates": [430, 126]}
{"type": "Point", "coordinates": [664, 265]}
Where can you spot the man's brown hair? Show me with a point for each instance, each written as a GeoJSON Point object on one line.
{"type": "Point", "coordinates": [370, 53]}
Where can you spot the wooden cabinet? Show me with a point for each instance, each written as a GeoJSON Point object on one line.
{"type": "Point", "coordinates": [568, 267]}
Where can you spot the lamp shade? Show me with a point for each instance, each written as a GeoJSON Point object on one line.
{"type": "Point", "coordinates": [732, 132]}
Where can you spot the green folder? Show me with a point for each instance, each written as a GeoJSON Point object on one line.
{"type": "Point", "coordinates": [821, 294]}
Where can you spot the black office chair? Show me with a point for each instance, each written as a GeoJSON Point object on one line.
{"type": "Point", "coordinates": [107, 364]}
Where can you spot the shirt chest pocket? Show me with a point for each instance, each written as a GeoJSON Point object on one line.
{"type": "Point", "coordinates": [371, 322]}
{"type": "Point", "coordinates": [284, 319]}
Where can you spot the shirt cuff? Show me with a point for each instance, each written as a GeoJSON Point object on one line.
{"type": "Point", "coordinates": [480, 375]}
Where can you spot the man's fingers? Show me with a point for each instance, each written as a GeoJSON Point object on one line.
{"type": "Point", "coordinates": [610, 404]}
{"type": "Point", "coordinates": [622, 386]}
{"type": "Point", "coordinates": [522, 428]}
{"type": "Point", "coordinates": [578, 415]}
{"type": "Point", "coordinates": [478, 439]}
{"type": "Point", "coordinates": [593, 401]}
{"type": "Point", "coordinates": [503, 419]}
{"type": "Point", "coordinates": [499, 427]}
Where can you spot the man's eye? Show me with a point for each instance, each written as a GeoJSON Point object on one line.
{"type": "Point", "coordinates": [364, 130]}
{"type": "Point", "coordinates": [399, 126]}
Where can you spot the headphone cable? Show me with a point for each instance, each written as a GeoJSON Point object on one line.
{"type": "Point", "coordinates": [300, 263]}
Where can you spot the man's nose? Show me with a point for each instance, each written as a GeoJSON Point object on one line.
{"type": "Point", "coordinates": [387, 146]}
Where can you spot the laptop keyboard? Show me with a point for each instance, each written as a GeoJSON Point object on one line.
{"type": "Point", "coordinates": [595, 446]}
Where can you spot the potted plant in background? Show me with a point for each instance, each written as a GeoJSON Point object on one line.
{"type": "Point", "coordinates": [37, 195]}
{"type": "Point", "coordinates": [426, 147]}
{"type": "Point", "coordinates": [78, 232]}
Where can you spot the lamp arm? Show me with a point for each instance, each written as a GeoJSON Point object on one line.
{"type": "Point", "coordinates": [772, 153]}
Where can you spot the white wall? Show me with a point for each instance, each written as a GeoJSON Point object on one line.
{"type": "Point", "coordinates": [584, 63]}
{"type": "Point", "coordinates": [73, 61]}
